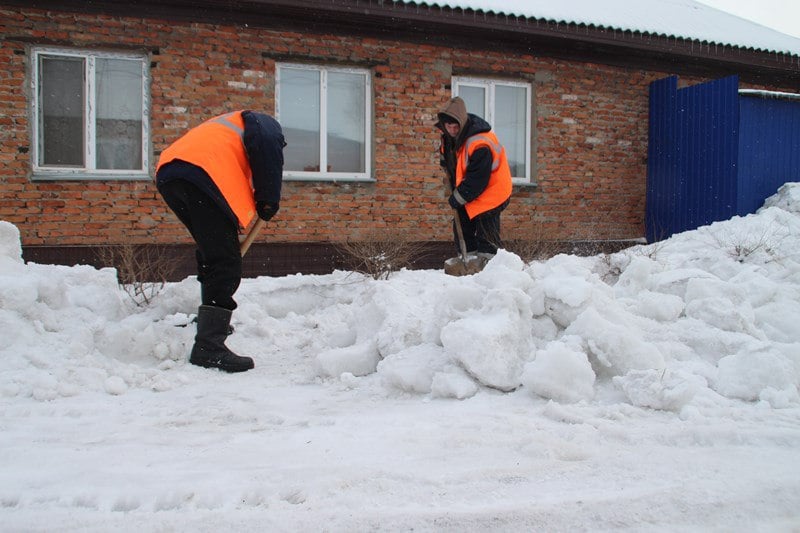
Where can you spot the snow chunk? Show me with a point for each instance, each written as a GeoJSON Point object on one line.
{"type": "Point", "coordinates": [780, 399]}
{"type": "Point", "coordinates": [561, 372]}
{"type": "Point", "coordinates": [412, 369]}
{"type": "Point", "coordinates": [660, 389]}
{"type": "Point", "coordinates": [504, 270]}
{"type": "Point", "coordinates": [787, 198]}
{"type": "Point", "coordinates": [572, 291]}
{"type": "Point", "coordinates": [116, 385]}
{"type": "Point", "coordinates": [661, 307]}
{"type": "Point", "coordinates": [635, 277]}
{"type": "Point", "coordinates": [543, 330]}
{"type": "Point", "coordinates": [493, 342]}
{"type": "Point", "coordinates": [454, 383]}
{"type": "Point", "coordinates": [674, 281]}
{"type": "Point", "coordinates": [747, 375]}
{"type": "Point", "coordinates": [614, 343]}
{"type": "Point", "coordinates": [10, 245]}
{"type": "Point", "coordinates": [778, 319]}
{"type": "Point", "coordinates": [18, 293]}
{"type": "Point", "coordinates": [569, 286]}
{"type": "Point", "coordinates": [360, 359]}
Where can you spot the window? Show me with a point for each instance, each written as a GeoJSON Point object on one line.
{"type": "Point", "coordinates": [507, 107]}
{"type": "Point", "coordinates": [326, 115]}
{"type": "Point", "coordinates": [90, 115]}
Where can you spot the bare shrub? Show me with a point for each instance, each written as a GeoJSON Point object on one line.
{"type": "Point", "coordinates": [760, 246]}
{"type": "Point", "coordinates": [611, 265]}
{"type": "Point", "coordinates": [142, 270]}
{"type": "Point", "coordinates": [380, 252]}
{"type": "Point", "coordinates": [531, 244]}
{"type": "Point", "coordinates": [532, 249]}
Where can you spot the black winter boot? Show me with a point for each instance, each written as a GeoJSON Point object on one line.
{"type": "Point", "coordinates": [209, 349]}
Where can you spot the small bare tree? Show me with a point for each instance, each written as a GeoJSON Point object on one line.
{"type": "Point", "coordinates": [531, 244]}
{"type": "Point", "coordinates": [759, 245]}
{"type": "Point", "coordinates": [142, 270]}
{"type": "Point", "coordinates": [380, 253]}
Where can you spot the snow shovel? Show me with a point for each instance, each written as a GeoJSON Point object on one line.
{"type": "Point", "coordinates": [251, 236]}
{"type": "Point", "coordinates": [463, 264]}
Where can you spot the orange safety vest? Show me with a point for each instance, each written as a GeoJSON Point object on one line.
{"type": "Point", "coordinates": [499, 188]}
{"type": "Point", "coordinates": [217, 146]}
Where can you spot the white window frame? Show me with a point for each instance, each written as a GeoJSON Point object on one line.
{"type": "Point", "coordinates": [323, 124]}
{"type": "Point", "coordinates": [89, 170]}
{"type": "Point", "coordinates": [489, 85]}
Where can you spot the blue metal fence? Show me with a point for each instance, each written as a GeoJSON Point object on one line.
{"type": "Point", "coordinates": [769, 142]}
{"type": "Point", "coordinates": [714, 153]}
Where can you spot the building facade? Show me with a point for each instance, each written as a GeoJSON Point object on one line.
{"type": "Point", "coordinates": [92, 92]}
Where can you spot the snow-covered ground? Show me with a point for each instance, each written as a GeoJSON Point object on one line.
{"type": "Point", "coordinates": [655, 389]}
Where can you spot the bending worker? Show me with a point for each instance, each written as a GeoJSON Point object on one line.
{"type": "Point", "coordinates": [217, 178]}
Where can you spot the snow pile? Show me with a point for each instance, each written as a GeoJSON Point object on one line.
{"type": "Point", "coordinates": [717, 306]}
{"type": "Point", "coordinates": [687, 342]}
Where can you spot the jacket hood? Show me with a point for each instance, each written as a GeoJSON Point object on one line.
{"type": "Point", "coordinates": [474, 126]}
{"type": "Point", "coordinates": [454, 109]}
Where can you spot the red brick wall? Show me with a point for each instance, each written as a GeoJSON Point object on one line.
{"type": "Point", "coordinates": [590, 156]}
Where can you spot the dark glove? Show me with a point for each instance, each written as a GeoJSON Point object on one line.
{"type": "Point", "coordinates": [453, 202]}
{"type": "Point", "coordinates": [266, 210]}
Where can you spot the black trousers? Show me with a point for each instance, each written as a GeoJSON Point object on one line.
{"type": "Point", "coordinates": [482, 233]}
{"type": "Point", "coordinates": [219, 262]}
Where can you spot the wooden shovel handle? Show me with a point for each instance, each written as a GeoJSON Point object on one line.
{"type": "Point", "coordinates": [251, 236]}
{"type": "Point", "coordinates": [456, 221]}
{"type": "Point", "coordinates": [460, 233]}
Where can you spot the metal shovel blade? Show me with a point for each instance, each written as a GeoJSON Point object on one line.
{"type": "Point", "coordinates": [464, 266]}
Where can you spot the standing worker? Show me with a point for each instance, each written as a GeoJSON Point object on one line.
{"type": "Point", "coordinates": [217, 178]}
{"type": "Point", "coordinates": [480, 178]}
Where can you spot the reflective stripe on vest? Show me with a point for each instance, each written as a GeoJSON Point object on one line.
{"type": "Point", "coordinates": [496, 148]}
{"type": "Point", "coordinates": [217, 146]}
{"type": "Point", "coordinates": [223, 119]}
{"type": "Point", "coordinates": [498, 190]}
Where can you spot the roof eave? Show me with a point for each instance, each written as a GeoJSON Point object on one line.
{"type": "Point", "coordinates": [463, 28]}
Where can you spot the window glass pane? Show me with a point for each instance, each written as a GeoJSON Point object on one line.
{"type": "Point", "coordinates": [61, 97]}
{"type": "Point", "coordinates": [299, 104]}
{"type": "Point", "coordinates": [510, 117]}
{"type": "Point", "coordinates": [475, 98]}
{"type": "Point", "coordinates": [346, 122]}
{"type": "Point", "coordinates": [119, 114]}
